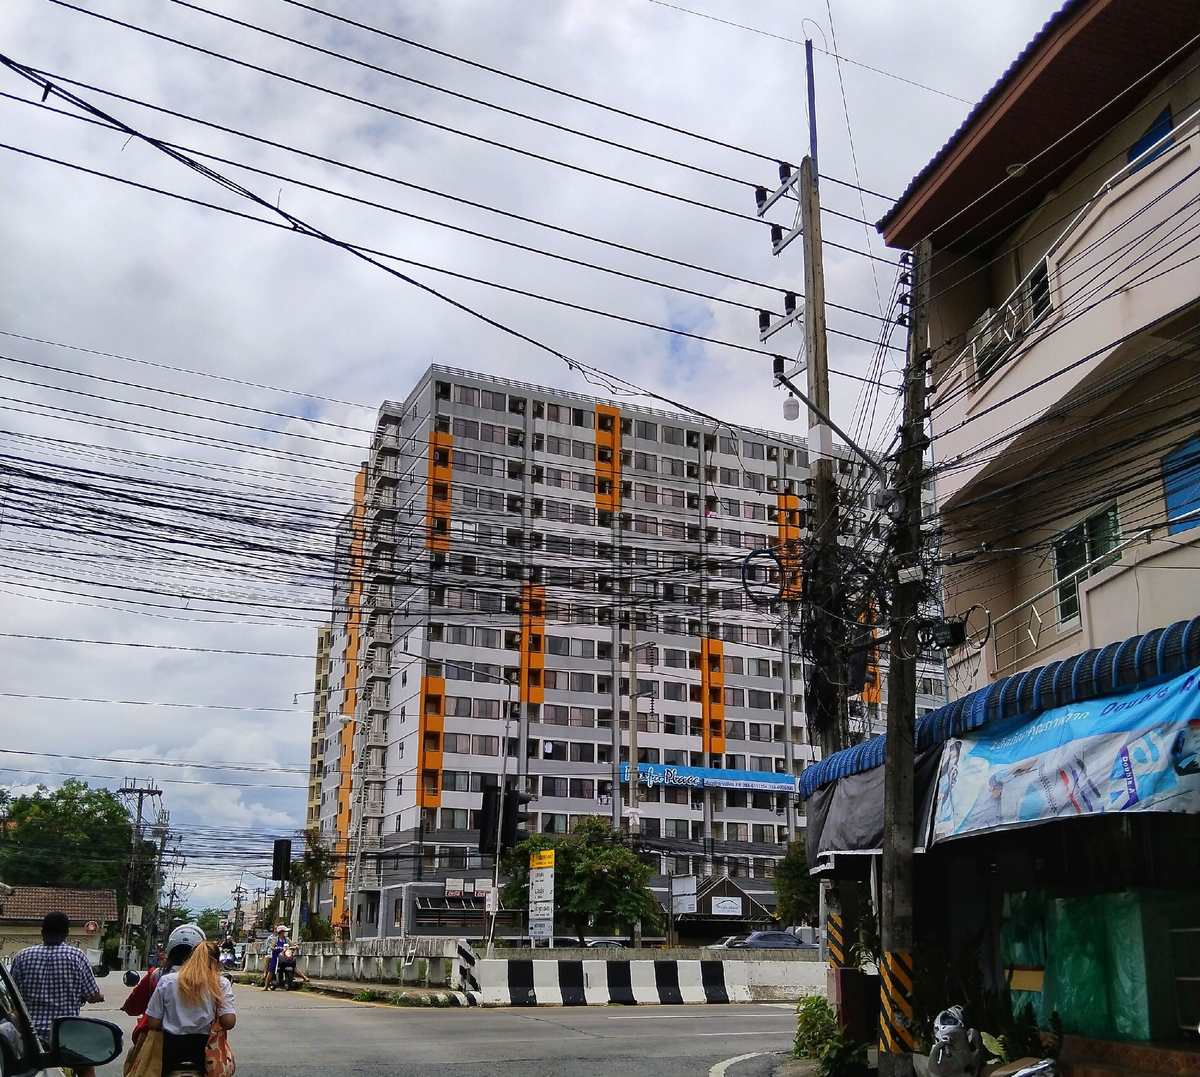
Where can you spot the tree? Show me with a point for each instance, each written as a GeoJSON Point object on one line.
{"type": "Point", "coordinates": [209, 921]}
{"type": "Point", "coordinates": [797, 893]}
{"type": "Point", "coordinates": [74, 836]}
{"type": "Point", "coordinates": [599, 883]}
{"type": "Point", "coordinates": [314, 867]}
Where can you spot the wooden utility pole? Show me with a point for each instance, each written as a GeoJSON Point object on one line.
{"type": "Point", "coordinates": [826, 701]}
{"type": "Point", "coordinates": [896, 1040]}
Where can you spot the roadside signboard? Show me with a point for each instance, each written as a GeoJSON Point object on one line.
{"type": "Point", "coordinates": [454, 888]}
{"type": "Point", "coordinates": [541, 929]}
{"type": "Point", "coordinates": [541, 884]}
{"type": "Point", "coordinates": [133, 915]}
{"type": "Point", "coordinates": [541, 910]}
{"type": "Point", "coordinates": [543, 859]}
{"type": "Point", "coordinates": [683, 894]}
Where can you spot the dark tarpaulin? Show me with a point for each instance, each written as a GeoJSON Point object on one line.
{"type": "Point", "coordinates": [846, 816]}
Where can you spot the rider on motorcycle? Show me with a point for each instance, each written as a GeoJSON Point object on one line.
{"type": "Point", "coordinates": [179, 948]}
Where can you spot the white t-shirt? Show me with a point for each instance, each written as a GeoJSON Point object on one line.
{"type": "Point", "coordinates": [181, 1018]}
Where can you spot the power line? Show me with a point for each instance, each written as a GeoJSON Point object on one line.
{"type": "Point", "coordinates": [399, 114]}
{"type": "Point", "coordinates": [371, 255]}
{"type": "Point", "coordinates": [151, 703]}
{"type": "Point", "coordinates": [796, 41]}
{"type": "Point", "coordinates": [151, 646]}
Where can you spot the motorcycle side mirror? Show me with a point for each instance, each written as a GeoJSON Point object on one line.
{"type": "Point", "coordinates": [130, 979]}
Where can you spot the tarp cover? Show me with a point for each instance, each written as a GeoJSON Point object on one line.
{"type": "Point", "coordinates": [847, 815]}
{"type": "Point", "coordinates": [1137, 751]}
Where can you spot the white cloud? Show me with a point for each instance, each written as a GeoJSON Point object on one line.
{"type": "Point", "coordinates": [92, 263]}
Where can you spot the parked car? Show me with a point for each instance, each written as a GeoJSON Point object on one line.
{"type": "Point", "coordinates": [606, 944]}
{"type": "Point", "coordinates": [728, 941]}
{"type": "Point", "coordinates": [772, 940]}
{"type": "Point", "coordinates": [74, 1041]}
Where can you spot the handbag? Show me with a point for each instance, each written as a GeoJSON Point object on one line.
{"type": "Point", "coordinates": [218, 1055]}
{"type": "Point", "coordinates": [145, 1056]}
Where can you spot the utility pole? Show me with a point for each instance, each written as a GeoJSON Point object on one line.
{"type": "Point", "coordinates": [131, 788]}
{"type": "Point", "coordinates": [826, 697]}
{"type": "Point", "coordinates": [635, 818]}
{"type": "Point", "coordinates": [616, 663]}
{"type": "Point", "coordinates": [896, 1040]}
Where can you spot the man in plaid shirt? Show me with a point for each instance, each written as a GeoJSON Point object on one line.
{"type": "Point", "coordinates": [54, 979]}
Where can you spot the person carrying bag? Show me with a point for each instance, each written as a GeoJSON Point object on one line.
{"type": "Point", "coordinates": [194, 1010]}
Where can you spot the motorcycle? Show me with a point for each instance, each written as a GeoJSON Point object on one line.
{"type": "Point", "coordinates": [285, 968]}
{"type": "Point", "coordinates": [229, 961]}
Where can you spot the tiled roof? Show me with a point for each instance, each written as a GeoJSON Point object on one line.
{"type": "Point", "coordinates": [33, 902]}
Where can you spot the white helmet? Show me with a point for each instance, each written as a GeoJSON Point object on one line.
{"type": "Point", "coordinates": [185, 935]}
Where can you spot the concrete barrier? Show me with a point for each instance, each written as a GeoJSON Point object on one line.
{"type": "Point", "coordinates": [570, 977]}
{"type": "Point", "coordinates": [417, 960]}
{"type": "Point", "coordinates": [568, 981]}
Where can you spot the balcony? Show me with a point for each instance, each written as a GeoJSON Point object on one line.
{"type": "Point", "coordinates": [1129, 590]}
{"type": "Point", "coordinates": [1123, 264]}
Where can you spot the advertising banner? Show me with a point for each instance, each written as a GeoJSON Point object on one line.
{"type": "Point", "coordinates": [1138, 751]}
{"type": "Point", "coordinates": [699, 777]}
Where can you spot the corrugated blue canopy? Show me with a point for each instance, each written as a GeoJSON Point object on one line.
{"type": "Point", "coordinates": [1100, 672]}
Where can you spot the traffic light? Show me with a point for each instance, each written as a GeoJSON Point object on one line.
{"type": "Point", "coordinates": [514, 801]}
{"type": "Point", "coordinates": [489, 816]}
{"type": "Point", "coordinates": [281, 858]}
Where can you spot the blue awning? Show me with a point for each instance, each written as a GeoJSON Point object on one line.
{"type": "Point", "coordinates": [1090, 675]}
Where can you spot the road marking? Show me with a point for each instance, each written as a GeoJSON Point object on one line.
{"type": "Point", "coordinates": [690, 1016]}
{"type": "Point", "coordinates": [719, 1069]}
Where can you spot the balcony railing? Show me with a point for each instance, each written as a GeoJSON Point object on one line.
{"type": "Point", "coordinates": [1036, 625]}
{"type": "Point", "coordinates": [997, 335]}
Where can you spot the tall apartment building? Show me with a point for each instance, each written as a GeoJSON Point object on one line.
{"type": "Point", "coordinates": [312, 820]}
{"type": "Point", "coordinates": [504, 542]}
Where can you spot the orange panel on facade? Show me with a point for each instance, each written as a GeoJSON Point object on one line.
{"type": "Point", "coordinates": [345, 789]}
{"type": "Point", "coordinates": [438, 492]}
{"type": "Point", "coordinates": [429, 741]}
{"type": "Point", "coordinates": [712, 681]}
{"type": "Point", "coordinates": [789, 545]}
{"type": "Point", "coordinates": [608, 472]}
{"type": "Point", "coordinates": [533, 642]}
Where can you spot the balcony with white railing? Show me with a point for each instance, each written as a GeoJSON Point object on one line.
{"type": "Point", "coordinates": [1124, 262]}
{"type": "Point", "coordinates": [1148, 580]}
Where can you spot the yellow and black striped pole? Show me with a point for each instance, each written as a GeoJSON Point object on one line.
{"type": "Point", "coordinates": [896, 1011]}
{"type": "Point", "coordinates": [835, 935]}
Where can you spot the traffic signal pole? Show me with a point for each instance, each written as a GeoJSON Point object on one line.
{"type": "Point", "coordinates": [896, 1036]}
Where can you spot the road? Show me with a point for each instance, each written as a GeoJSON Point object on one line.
{"type": "Point", "coordinates": [301, 1034]}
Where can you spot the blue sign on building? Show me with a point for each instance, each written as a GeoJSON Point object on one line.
{"type": "Point", "coordinates": [759, 781]}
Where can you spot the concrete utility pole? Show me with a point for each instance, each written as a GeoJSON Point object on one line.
{"type": "Point", "coordinates": [131, 788]}
{"type": "Point", "coordinates": [896, 1041]}
{"type": "Point", "coordinates": [616, 665]}
{"type": "Point", "coordinates": [635, 818]}
{"type": "Point", "coordinates": [826, 703]}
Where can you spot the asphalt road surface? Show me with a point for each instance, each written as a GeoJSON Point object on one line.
{"type": "Point", "coordinates": [299, 1034]}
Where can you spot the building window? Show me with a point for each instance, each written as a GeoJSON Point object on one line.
{"type": "Point", "coordinates": [1181, 481]}
{"type": "Point", "coordinates": [454, 819]}
{"type": "Point", "coordinates": [1158, 130]}
{"type": "Point", "coordinates": [729, 446]}
{"type": "Point", "coordinates": [1084, 544]}
{"type": "Point", "coordinates": [646, 431]}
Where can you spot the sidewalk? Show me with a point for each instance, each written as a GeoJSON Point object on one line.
{"type": "Point", "coordinates": [363, 991]}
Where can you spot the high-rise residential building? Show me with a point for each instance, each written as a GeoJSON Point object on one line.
{"type": "Point", "coordinates": [507, 545]}
{"type": "Point", "coordinates": [320, 720]}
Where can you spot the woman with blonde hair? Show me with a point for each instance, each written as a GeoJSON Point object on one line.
{"type": "Point", "coordinates": [193, 1007]}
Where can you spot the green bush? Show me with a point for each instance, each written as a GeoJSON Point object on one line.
{"type": "Point", "coordinates": [365, 995]}
{"type": "Point", "coordinates": [816, 1025]}
{"type": "Point", "coordinates": [842, 1057]}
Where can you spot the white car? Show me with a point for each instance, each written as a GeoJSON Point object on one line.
{"type": "Point", "coordinates": [74, 1041]}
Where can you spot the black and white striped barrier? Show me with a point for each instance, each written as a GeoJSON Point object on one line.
{"type": "Point", "coordinates": [468, 984]}
{"type": "Point", "coordinates": [598, 983]}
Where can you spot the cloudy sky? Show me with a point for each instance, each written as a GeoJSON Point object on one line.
{"type": "Point", "coordinates": [183, 493]}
